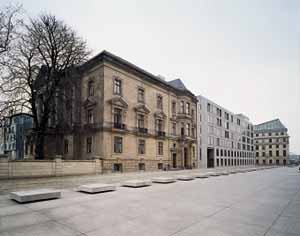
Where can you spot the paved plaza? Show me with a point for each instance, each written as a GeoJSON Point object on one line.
{"type": "Point", "coordinates": [265, 202]}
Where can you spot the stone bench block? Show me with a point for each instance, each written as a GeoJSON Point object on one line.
{"type": "Point", "coordinates": [224, 173]}
{"type": "Point", "coordinates": [184, 177]}
{"type": "Point", "coordinates": [97, 188]}
{"type": "Point", "coordinates": [163, 180]}
{"type": "Point", "coordinates": [137, 183]}
{"type": "Point", "coordinates": [201, 175]}
{"type": "Point", "coordinates": [214, 174]}
{"type": "Point", "coordinates": [35, 195]}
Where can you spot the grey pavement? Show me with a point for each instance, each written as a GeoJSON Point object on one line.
{"type": "Point", "coordinates": [260, 203]}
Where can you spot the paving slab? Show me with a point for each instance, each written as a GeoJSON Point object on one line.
{"type": "Point", "coordinates": [96, 188]}
{"type": "Point", "coordinates": [35, 195]}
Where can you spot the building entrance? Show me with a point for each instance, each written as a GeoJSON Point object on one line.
{"type": "Point", "coordinates": [210, 158]}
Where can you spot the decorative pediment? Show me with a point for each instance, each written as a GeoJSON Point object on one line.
{"type": "Point", "coordinates": [89, 102]}
{"type": "Point", "coordinates": [160, 115]}
{"type": "Point", "coordinates": [118, 101]}
{"type": "Point", "coordinates": [142, 109]}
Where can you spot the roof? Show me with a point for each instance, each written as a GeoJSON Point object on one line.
{"type": "Point", "coordinates": [272, 125]}
{"type": "Point", "coordinates": [178, 84]}
{"type": "Point", "coordinates": [175, 85]}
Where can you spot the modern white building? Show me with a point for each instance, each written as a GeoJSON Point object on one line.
{"type": "Point", "coordinates": [224, 139]}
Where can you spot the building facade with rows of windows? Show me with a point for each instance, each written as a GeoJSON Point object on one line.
{"type": "Point", "coordinates": [224, 138]}
{"type": "Point", "coordinates": [132, 119]}
{"type": "Point", "coordinates": [271, 143]}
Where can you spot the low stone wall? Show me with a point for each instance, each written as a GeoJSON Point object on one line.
{"type": "Point", "coordinates": [46, 168]}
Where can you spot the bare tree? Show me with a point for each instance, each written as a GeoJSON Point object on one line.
{"type": "Point", "coordinates": [46, 53]}
{"type": "Point", "coordinates": [9, 20]}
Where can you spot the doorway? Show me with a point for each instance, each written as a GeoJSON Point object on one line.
{"type": "Point", "coordinates": [185, 154]}
{"type": "Point", "coordinates": [210, 158]}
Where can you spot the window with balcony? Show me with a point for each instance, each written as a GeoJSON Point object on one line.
{"type": "Point", "coordinates": [188, 129]}
{"type": "Point", "coordinates": [141, 121]}
{"type": "Point", "coordinates": [141, 95]}
{"type": "Point", "coordinates": [159, 125]}
{"type": "Point", "coordinates": [142, 147]}
{"type": "Point", "coordinates": [118, 144]}
{"type": "Point", "coordinates": [117, 117]}
{"type": "Point", "coordinates": [117, 87]}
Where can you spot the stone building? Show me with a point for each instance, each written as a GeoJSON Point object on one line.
{"type": "Point", "coordinates": [130, 118]}
{"type": "Point", "coordinates": [224, 138]}
{"type": "Point", "coordinates": [271, 143]}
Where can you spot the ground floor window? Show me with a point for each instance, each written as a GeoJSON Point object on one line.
{"type": "Point", "coordinates": [89, 145]}
{"type": "Point", "coordinates": [117, 167]}
{"type": "Point", "coordinates": [160, 166]}
{"type": "Point", "coordinates": [142, 166]}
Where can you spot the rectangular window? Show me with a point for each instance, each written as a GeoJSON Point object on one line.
{"type": "Point", "coordinates": [66, 146]}
{"type": "Point", "coordinates": [270, 153]}
{"type": "Point", "coordinates": [159, 102]}
{"type": "Point", "coordinates": [141, 95]}
{"type": "Point", "coordinates": [188, 108]}
{"type": "Point", "coordinates": [141, 121]}
{"type": "Point", "coordinates": [117, 116]}
{"type": "Point", "coordinates": [117, 86]}
{"type": "Point", "coordinates": [90, 116]}
{"type": "Point", "coordinates": [142, 146]}
{"type": "Point", "coordinates": [174, 108]}
{"type": "Point", "coordinates": [160, 148]}
{"type": "Point", "coordinates": [174, 128]}
{"type": "Point", "coordinates": [118, 144]}
{"type": "Point", "coordinates": [188, 129]}
{"type": "Point", "coordinates": [284, 153]}
{"type": "Point", "coordinates": [208, 107]}
{"type": "Point", "coordinates": [89, 145]}
{"type": "Point", "coordinates": [158, 125]}
{"type": "Point", "coordinates": [91, 88]}
{"type": "Point", "coordinates": [182, 106]}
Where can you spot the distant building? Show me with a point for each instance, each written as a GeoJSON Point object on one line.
{"type": "Point", "coordinates": [224, 138]}
{"type": "Point", "coordinates": [13, 133]}
{"type": "Point", "coordinates": [271, 143]}
{"type": "Point", "coordinates": [293, 158]}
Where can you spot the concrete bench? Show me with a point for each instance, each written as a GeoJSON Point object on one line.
{"type": "Point", "coordinates": [97, 188]}
{"type": "Point", "coordinates": [201, 175]}
{"type": "Point", "coordinates": [224, 173]}
{"type": "Point", "coordinates": [214, 174]}
{"type": "Point", "coordinates": [184, 177]}
{"type": "Point", "coordinates": [137, 183]}
{"type": "Point", "coordinates": [163, 180]}
{"type": "Point", "coordinates": [35, 195]}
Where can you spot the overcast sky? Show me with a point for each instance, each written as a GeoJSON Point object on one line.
{"type": "Point", "coordinates": [243, 55]}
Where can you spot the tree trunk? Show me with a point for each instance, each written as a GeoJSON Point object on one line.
{"type": "Point", "coordinates": [39, 148]}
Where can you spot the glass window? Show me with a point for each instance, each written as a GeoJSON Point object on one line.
{"type": "Point", "coordinates": [117, 116]}
{"type": "Point", "coordinates": [91, 88]}
{"type": "Point", "coordinates": [188, 108]}
{"type": "Point", "coordinates": [141, 121]}
{"type": "Point", "coordinates": [142, 146]}
{"type": "Point", "coordinates": [141, 95]}
{"type": "Point", "coordinates": [159, 102]}
{"type": "Point", "coordinates": [118, 144]}
{"type": "Point", "coordinates": [160, 148]}
{"type": "Point", "coordinates": [117, 86]}
{"type": "Point", "coordinates": [173, 107]}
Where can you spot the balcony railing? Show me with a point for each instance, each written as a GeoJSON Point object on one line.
{"type": "Point", "coordinates": [119, 126]}
{"type": "Point", "coordinates": [160, 133]}
{"type": "Point", "coordinates": [142, 130]}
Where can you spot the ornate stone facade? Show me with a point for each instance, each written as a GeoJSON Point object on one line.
{"type": "Point", "coordinates": [131, 119]}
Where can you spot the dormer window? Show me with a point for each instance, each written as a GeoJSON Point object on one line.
{"type": "Point", "coordinates": [141, 95]}
{"type": "Point", "coordinates": [91, 88]}
{"type": "Point", "coordinates": [117, 86]}
{"type": "Point", "coordinates": [159, 102]}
